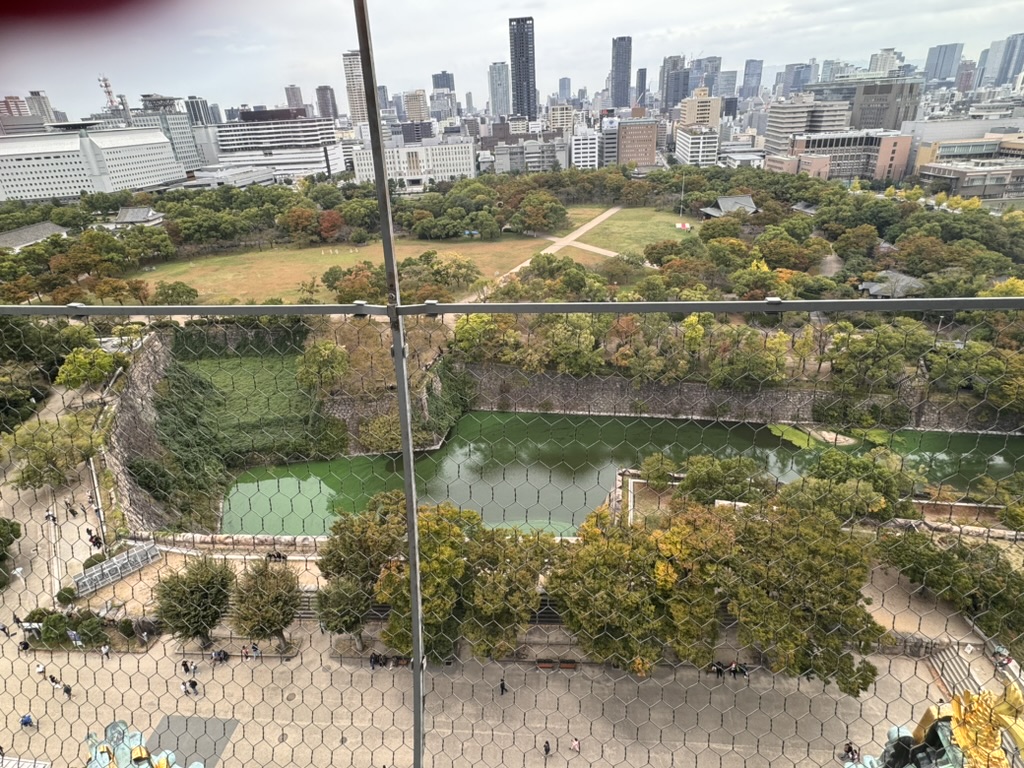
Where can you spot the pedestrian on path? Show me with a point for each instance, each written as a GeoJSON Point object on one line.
{"type": "Point", "coordinates": [105, 652]}
{"type": "Point", "coordinates": [194, 686]}
{"type": "Point", "coordinates": [28, 722]}
{"type": "Point", "coordinates": [547, 749]}
{"type": "Point", "coordinates": [67, 691]}
{"type": "Point", "coordinates": [184, 688]}
{"type": "Point", "coordinates": [502, 687]}
{"type": "Point", "coordinates": [256, 652]}
{"type": "Point", "coordinates": [575, 746]}
{"type": "Point", "coordinates": [145, 639]}
{"type": "Point", "coordinates": [17, 621]}
{"type": "Point", "coordinates": [23, 646]}
{"type": "Point", "coordinates": [245, 653]}
{"type": "Point", "coordinates": [40, 669]}
{"type": "Point", "coordinates": [184, 667]}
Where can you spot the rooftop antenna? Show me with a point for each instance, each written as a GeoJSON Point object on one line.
{"type": "Point", "coordinates": [108, 89]}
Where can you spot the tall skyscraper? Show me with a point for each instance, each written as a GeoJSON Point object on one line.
{"type": "Point", "coordinates": [1012, 63]}
{"type": "Point", "coordinates": [215, 114]}
{"type": "Point", "coordinates": [704, 73]}
{"type": "Point", "coordinates": [382, 96]}
{"type": "Point", "coordinates": [293, 95]}
{"type": "Point", "coordinates": [641, 86]}
{"type": "Point", "coordinates": [443, 79]}
{"type": "Point", "coordinates": [354, 85]}
{"type": "Point", "coordinates": [564, 90]}
{"type": "Point", "coordinates": [469, 102]}
{"type": "Point", "coordinates": [752, 70]}
{"type": "Point", "coordinates": [326, 102]}
{"type": "Point", "coordinates": [39, 105]}
{"type": "Point", "coordinates": [622, 62]}
{"type": "Point", "coordinates": [795, 77]}
{"type": "Point", "coordinates": [499, 89]}
{"type": "Point", "coordinates": [669, 65]}
{"type": "Point", "coordinates": [726, 85]}
{"type": "Point", "coordinates": [198, 111]}
{"type": "Point", "coordinates": [677, 88]}
{"type": "Point", "coordinates": [943, 61]}
{"type": "Point", "coordinates": [523, 83]}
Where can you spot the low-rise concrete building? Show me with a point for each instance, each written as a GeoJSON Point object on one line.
{"type": "Point", "coordinates": [697, 145]}
{"type": "Point", "coordinates": [815, 166]}
{"type": "Point", "coordinates": [1000, 180]}
{"type": "Point", "coordinates": [414, 166]}
{"type": "Point", "coordinates": [857, 154]}
{"type": "Point", "coordinates": [16, 239]}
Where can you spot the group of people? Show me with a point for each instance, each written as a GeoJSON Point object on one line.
{"type": "Point", "coordinates": [574, 746]}
{"type": "Point", "coordinates": [720, 668]}
{"type": "Point", "coordinates": [379, 660]}
{"type": "Point", "coordinates": [58, 685]}
{"type": "Point", "coordinates": [851, 753]}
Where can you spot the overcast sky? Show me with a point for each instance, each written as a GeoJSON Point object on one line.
{"type": "Point", "coordinates": [246, 51]}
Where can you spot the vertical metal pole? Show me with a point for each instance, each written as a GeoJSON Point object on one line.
{"type": "Point", "coordinates": [398, 351]}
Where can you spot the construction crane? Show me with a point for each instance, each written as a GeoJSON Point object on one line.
{"type": "Point", "coordinates": [108, 89]}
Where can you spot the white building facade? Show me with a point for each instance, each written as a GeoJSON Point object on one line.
{"type": "Point", "coordinates": [65, 164]}
{"type": "Point", "coordinates": [697, 145]}
{"type": "Point", "coordinates": [292, 148]}
{"type": "Point", "coordinates": [585, 149]}
{"type": "Point", "coordinates": [414, 166]}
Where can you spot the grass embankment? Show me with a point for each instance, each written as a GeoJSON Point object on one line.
{"type": "Point", "coordinates": [633, 228]}
{"type": "Point", "coordinates": [262, 407]}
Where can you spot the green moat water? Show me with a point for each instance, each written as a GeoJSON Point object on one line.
{"type": "Point", "coordinates": [545, 471]}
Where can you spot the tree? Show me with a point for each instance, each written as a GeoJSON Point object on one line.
{"type": "Point", "coordinates": [322, 366]}
{"type": "Point", "coordinates": [175, 293]}
{"type": "Point", "coordinates": [656, 471]}
{"type": "Point", "coordinates": [707, 480]}
{"type": "Point", "coordinates": [502, 593]}
{"type": "Point", "coordinates": [193, 601]}
{"type": "Point", "coordinates": [342, 606]}
{"type": "Point", "coordinates": [50, 450]}
{"type": "Point", "coordinates": [726, 226]}
{"type": "Point", "coordinates": [267, 599]}
{"type": "Point", "coordinates": [86, 366]}
{"type": "Point", "coordinates": [539, 211]}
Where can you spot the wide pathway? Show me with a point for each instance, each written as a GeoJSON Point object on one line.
{"type": "Point", "coordinates": [570, 239]}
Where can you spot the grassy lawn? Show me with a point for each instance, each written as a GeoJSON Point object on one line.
{"type": "Point", "coordinates": [263, 405]}
{"type": "Point", "coordinates": [632, 228]}
{"type": "Point", "coordinates": [580, 215]}
{"type": "Point", "coordinates": [261, 275]}
{"type": "Point", "coordinates": [580, 256]}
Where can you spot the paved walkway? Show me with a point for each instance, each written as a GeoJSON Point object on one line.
{"type": "Point", "coordinates": [570, 239]}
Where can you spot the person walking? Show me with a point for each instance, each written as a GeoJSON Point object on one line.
{"type": "Point", "coordinates": [41, 670]}
{"type": "Point", "coordinates": [184, 688]}
{"type": "Point", "coordinates": [502, 687]}
{"type": "Point", "coordinates": [575, 746]}
{"type": "Point", "coordinates": [245, 653]}
{"type": "Point", "coordinates": [67, 691]}
{"type": "Point", "coordinates": [185, 667]}
{"type": "Point", "coordinates": [547, 749]}
{"type": "Point", "coordinates": [17, 621]}
{"type": "Point", "coordinates": [256, 652]}
{"type": "Point", "coordinates": [27, 721]}
{"type": "Point", "coordinates": [194, 686]}
{"type": "Point", "coordinates": [105, 652]}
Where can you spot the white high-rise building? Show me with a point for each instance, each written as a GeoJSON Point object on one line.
{"type": "Point", "coordinates": [14, 106]}
{"type": "Point", "coordinates": [885, 61]}
{"type": "Point", "coordinates": [63, 164]}
{"type": "Point", "coordinates": [697, 145]}
{"type": "Point", "coordinates": [499, 89]}
{"type": "Point", "coordinates": [293, 96]}
{"type": "Point", "coordinates": [584, 148]}
{"type": "Point", "coordinates": [178, 128]}
{"type": "Point", "coordinates": [417, 109]}
{"type": "Point", "coordinates": [354, 86]}
{"type": "Point", "coordinates": [39, 105]}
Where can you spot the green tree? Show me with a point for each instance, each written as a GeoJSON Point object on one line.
{"type": "Point", "coordinates": [656, 471]}
{"type": "Point", "coordinates": [174, 293]}
{"type": "Point", "coordinates": [267, 599]}
{"type": "Point", "coordinates": [322, 367]}
{"type": "Point", "coordinates": [50, 450]}
{"type": "Point", "coordinates": [707, 479]}
{"type": "Point", "coordinates": [539, 212]}
{"type": "Point", "coordinates": [342, 606]}
{"type": "Point", "coordinates": [502, 592]}
{"type": "Point", "coordinates": [193, 601]}
{"type": "Point", "coordinates": [86, 367]}
{"type": "Point", "coordinates": [726, 226]}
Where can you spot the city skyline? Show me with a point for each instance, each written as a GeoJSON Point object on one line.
{"type": "Point", "coordinates": [230, 58]}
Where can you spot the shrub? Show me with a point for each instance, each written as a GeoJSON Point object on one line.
{"type": "Point", "coordinates": [55, 629]}
{"type": "Point", "coordinates": [91, 631]}
{"type": "Point", "coordinates": [126, 627]}
{"type": "Point", "coordinates": [38, 615]}
{"type": "Point", "coordinates": [66, 596]}
{"type": "Point", "coordinates": [92, 560]}
{"type": "Point", "coordinates": [153, 477]}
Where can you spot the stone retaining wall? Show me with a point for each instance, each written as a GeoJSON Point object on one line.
{"type": "Point", "coordinates": [133, 434]}
{"type": "Point", "coordinates": [506, 388]}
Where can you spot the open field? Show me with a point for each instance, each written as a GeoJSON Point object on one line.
{"type": "Point", "coordinates": [277, 272]}
{"type": "Point", "coordinates": [632, 228]}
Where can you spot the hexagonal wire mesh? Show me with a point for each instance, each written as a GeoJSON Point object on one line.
{"type": "Point", "coordinates": [645, 537]}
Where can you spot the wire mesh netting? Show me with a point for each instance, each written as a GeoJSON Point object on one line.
{"type": "Point", "coordinates": [644, 538]}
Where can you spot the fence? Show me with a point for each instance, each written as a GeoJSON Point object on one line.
{"type": "Point", "coordinates": [115, 569]}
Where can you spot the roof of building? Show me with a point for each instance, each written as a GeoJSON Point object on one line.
{"type": "Point", "coordinates": [892, 285]}
{"type": "Point", "coordinates": [33, 233]}
{"type": "Point", "coordinates": [136, 215]}
{"type": "Point", "coordinates": [803, 207]}
{"type": "Point", "coordinates": [729, 204]}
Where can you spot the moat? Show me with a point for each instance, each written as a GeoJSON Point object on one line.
{"type": "Point", "coordinates": [548, 472]}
